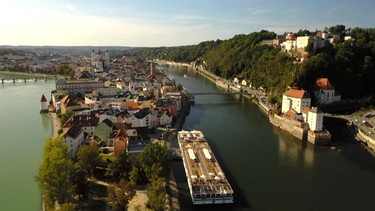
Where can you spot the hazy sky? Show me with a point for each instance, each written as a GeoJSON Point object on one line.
{"type": "Point", "coordinates": [168, 23]}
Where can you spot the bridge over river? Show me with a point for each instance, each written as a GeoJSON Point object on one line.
{"type": "Point", "coordinates": [217, 93]}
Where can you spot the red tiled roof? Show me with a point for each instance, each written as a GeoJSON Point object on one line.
{"type": "Point", "coordinates": [296, 93]}
{"type": "Point", "coordinates": [323, 83]}
{"type": "Point", "coordinates": [44, 99]}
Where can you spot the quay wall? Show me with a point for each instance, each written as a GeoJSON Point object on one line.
{"type": "Point", "coordinates": [292, 126]}
{"type": "Point", "coordinates": [370, 142]}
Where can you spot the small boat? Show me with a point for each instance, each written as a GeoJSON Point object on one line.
{"type": "Point", "coordinates": [185, 76]}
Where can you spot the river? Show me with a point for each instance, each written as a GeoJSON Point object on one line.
{"type": "Point", "coordinates": [268, 168]}
{"type": "Point", "coordinates": [23, 132]}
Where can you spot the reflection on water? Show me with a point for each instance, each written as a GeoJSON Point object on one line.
{"type": "Point", "coordinates": [294, 151]}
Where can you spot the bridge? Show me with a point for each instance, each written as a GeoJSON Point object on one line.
{"type": "Point", "coordinates": [217, 93]}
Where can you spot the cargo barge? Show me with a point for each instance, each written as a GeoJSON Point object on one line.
{"type": "Point", "coordinates": [206, 180]}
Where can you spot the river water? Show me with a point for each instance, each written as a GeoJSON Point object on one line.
{"type": "Point", "coordinates": [268, 168]}
{"type": "Point", "coordinates": [23, 132]}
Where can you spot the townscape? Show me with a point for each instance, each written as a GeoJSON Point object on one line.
{"type": "Point", "coordinates": [123, 105]}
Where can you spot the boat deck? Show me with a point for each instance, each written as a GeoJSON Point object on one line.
{"type": "Point", "coordinates": [207, 182]}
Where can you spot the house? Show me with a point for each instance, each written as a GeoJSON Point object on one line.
{"type": "Point", "coordinates": [165, 118]}
{"type": "Point", "coordinates": [119, 141]}
{"type": "Point", "coordinates": [142, 118]}
{"type": "Point", "coordinates": [104, 130]}
{"type": "Point", "coordinates": [296, 99]}
{"type": "Point", "coordinates": [67, 104]}
{"type": "Point", "coordinates": [324, 92]}
{"type": "Point", "coordinates": [87, 122]}
{"type": "Point", "coordinates": [137, 140]}
{"type": "Point", "coordinates": [73, 138]}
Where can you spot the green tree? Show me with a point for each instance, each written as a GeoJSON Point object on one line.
{"type": "Point", "coordinates": [88, 157]}
{"type": "Point", "coordinates": [120, 193]}
{"type": "Point", "coordinates": [155, 156]}
{"type": "Point", "coordinates": [55, 173]}
{"type": "Point", "coordinates": [156, 194]}
{"type": "Point", "coordinates": [79, 179]}
{"type": "Point", "coordinates": [120, 166]}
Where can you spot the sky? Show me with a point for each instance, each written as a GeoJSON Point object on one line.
{"type": "Point", "coordinates": [155, 23]}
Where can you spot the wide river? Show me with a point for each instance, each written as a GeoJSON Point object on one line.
{"type": "Point", "coordinates": [267, 167]}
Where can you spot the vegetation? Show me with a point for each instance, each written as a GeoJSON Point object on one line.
{"type": "Point", "coordinates": [120, 193]}
{"type": "Point", "coordinates": [88, 157]}
{"type": "Point", "coordinates": [55, 174]}
{"type": "Point", "coordinates": [154, 159]}
{"type": "Point", "coordinates": [119, 168]}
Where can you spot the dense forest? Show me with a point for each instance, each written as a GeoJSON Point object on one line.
{"type": "Point", "coordinates": [349, 65]}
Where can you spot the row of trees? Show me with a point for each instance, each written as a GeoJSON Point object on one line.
{"type": "Point", "coordinates": [63, 181]}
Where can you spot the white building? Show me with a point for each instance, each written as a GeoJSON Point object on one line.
{"type": "Point", "coordinates": [43, 104]}
{"type": "Point", "coordinates": [315, 119]}
{"type": "Point", "coordinates": [296, 99]}
{"type": "Point", "coordinates": [324, 92]}
{"type": "Point", "coordinates": [303, 41]}
{"type": "Point", "coordinates": [73, 138]}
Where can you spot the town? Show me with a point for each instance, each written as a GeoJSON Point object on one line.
{"type": "Point", "coordinates": [124, 104]}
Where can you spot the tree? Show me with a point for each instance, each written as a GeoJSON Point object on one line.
{"type": "Point", "coordinates": [88, 157]}
{"type": "Point", "coordinates": [154, 156]}
{"type": "Point", "coordinates": [156, 194]}
{"type": "Point", "coordinates": [120, 166]}
{"type": "Point", "coordinates": [55, 173]}
{"type": "Point", "coordinates": [120, 193]}
{"type": "Point", "coordinates": [79, 179]}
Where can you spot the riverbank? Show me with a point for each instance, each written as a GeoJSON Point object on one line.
{"type": "Point", "coordinates": [55, 124]}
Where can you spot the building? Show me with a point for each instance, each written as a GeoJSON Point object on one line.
{"type": "Point", "coordinates": [303, 41]}
{"type": "Point", "coordinates": [315, 119]}
{"type": "Point", "coordinates": [73, 138]}
{"type": "Point", "coordinates": [324, 92]}
{"type": "Point", "coordinates": [100, 60]}
{"type": "Point", "coordinates": [73, 87]}
{"type": "Point", "coordinates": [296, 99]}
{"type": "Point", "coordinates": [43, 104]}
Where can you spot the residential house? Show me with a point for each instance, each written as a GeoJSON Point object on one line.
{"type": "Point", "coordinates": [138, 138]}
{"type": "Point", "coordinates": [67, 104]}
{"type": "Point", "coordinates": [104, 131]}
{"type": "Point", "coordinates": [296, 99]}
{"type": "Point", "coordinates": [73, 138]}
{"type": "Point", "coordinates": [165, 118]}
{"type": "Point", "coordinates": [142, 118]}
{"type": "Point", "coordinates": [87, 122]}
{"type": "Point", "coordinates": [119, 141]}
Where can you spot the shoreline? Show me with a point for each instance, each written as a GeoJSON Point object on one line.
{"type": "Point", "coordinates": [55, 124]}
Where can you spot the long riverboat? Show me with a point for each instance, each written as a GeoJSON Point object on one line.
{"type": "Point", "coordinates": [207, 182]}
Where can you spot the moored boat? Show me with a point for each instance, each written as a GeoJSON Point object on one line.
{"type": "Point", "coordinates": [206, 180]}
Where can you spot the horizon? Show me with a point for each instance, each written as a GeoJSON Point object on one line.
{"type": "Point", "coordinates": [68, 23]}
